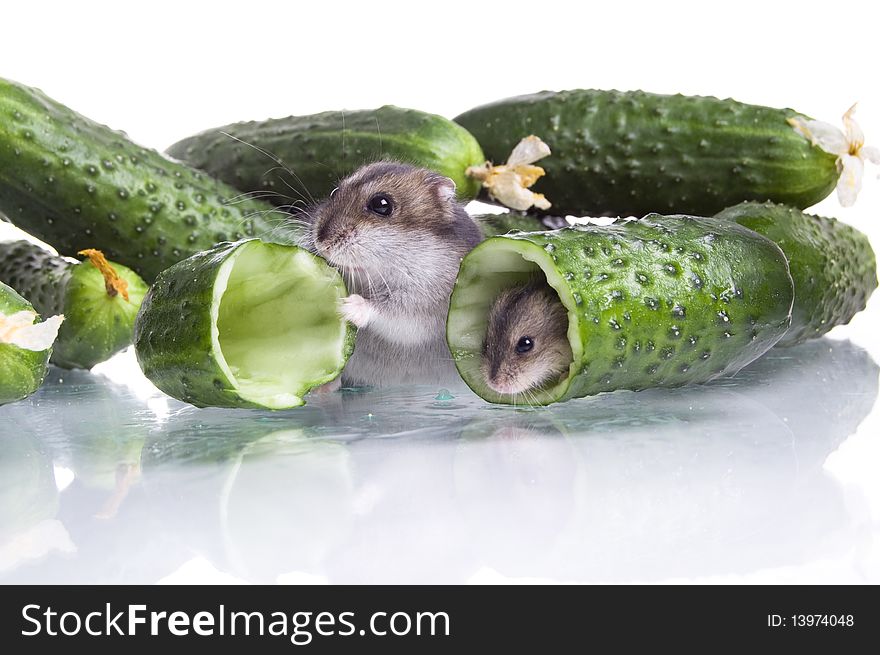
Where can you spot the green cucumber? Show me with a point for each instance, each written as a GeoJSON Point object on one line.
{"type": "Point", "coordinates": [663, 301]}
{"type": "Point", "coordinates": [314, 152]}
{"type": "Point", "coordinates": [99, 312]}
{"type": "Point", "coordinates": [21, 370]}
{"type": "Point", "coordinates": [76, 184]}
{"type": "Point", "coordinates": [245, 324]}
{"type": "Point", "coordinates": [494, 224]}
{"type": "Point", "coordinates": [629, 153]}
{"type": "Point", "coordinates": [832, 265]}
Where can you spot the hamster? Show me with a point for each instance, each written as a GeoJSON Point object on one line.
{"type": "Point", "coordinates": [526, 345]}
{"type": "Point", "coordinates": [397, 234]}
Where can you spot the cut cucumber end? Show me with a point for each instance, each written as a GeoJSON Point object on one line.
{"type": "Point", "coordinates": [496, 264]}
{"type": "Point", "coordinates": [276, 332]}
{"type": "Point", "coordinates": [22, 369]}
{"type": "Point", "coordinates": [244, 324]}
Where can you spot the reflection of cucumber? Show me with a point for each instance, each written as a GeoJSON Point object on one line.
{"type": "Point", "coordinates": [832, 265]}
{"type": "Point", "coordinates": [21, 370]}
{"type": "Point", "coordinates": [663, 301]}
{"type": "Point", "coordinates": [322, 148]}
{"type": "Point", "coordinates": [287, 503]}
{"type": "Point", "coordinates": [629, 153]}
{"type": "Point", "coordinates": [99, 312]}
{"type": "Point", "coordinates": [245, 324]}
{"type": "Point", "coordinates": [99, 458]}
{"type": "Point", "coordinates": [256, 500]}
{"type": "Point", "coordinates": [76, 184]}
{"type": "Point", "coordinates": [28, 493]}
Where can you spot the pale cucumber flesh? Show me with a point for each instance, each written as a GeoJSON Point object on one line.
{"type": "Point", "coordinates": [276, 326]}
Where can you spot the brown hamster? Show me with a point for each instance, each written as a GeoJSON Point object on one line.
{"type": "Point", "coordinates": [526, 345]}
{"type": "Point", "coordinates": [397, 234]}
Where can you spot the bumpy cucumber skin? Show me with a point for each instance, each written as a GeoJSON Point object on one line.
{"type": "Point", "coordinates": [832, 264]}
{"type": "Point", "coordinates": [322, 148]}
{"type": "Point", "coordinates": [495, 224]}
{"type": "Point", "coordinates": [21, 371]}
{"type": "Point", "coordinates": [76, 184]}
{"type": "Point", "coordinates": [629, 153]}
{"type": "Point", "coordinates": [664, 301]}
{"type": "Point", "coordinates": [96, 326]}
{"type": "Point", "coordinates": [172, 336]}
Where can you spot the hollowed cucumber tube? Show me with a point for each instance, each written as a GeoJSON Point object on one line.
{"type": "Point", "coordinates": [659, 302]}
{"type": "Point", "coordinates": [99, 300]}
{"type": "Point", "coordinates": [245, 324]}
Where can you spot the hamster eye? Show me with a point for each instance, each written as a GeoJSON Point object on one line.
{"type": "Point", "coordinates": [380, 204]}
{"type": "Point", "coordinates": [334, 191]}
{"type": "Point", "coordinates": [524, 345]}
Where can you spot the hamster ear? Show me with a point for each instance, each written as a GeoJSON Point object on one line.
{"type": "Point", "coordinates": [445, 187]}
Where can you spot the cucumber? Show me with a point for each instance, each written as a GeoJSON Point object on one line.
{"type": "Point", "coordinates": [76, 184]}
{"type": "Point", "coordinates": [315, 152]}
{"type": "Point", "coordinates": [245, 324]}
{"type": "Point", "coordinates": [629, 153]}
{"type": "Point", "coordinates": [494, 224]}
{"type": "Point", "coordinates": [659, 302]}
{"type": "Point", "coordinates": [99, 300]}
{"type": "Point", "coordinates": [22, 366]}
{"type": "Point", "coordinates": [832, 265]}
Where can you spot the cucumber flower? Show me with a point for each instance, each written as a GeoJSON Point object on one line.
{"type": "Point", "coordinates": [509, 183]}
{"type": "Point", "coordinates": [20, 330]}
{"type": "Point", "coordinates": [849, 146]}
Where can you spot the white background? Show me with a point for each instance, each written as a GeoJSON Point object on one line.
{"type": "Point", "coordinates": [163, 70]}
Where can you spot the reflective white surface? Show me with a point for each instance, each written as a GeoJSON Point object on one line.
{"type": "Point", "coordinates": [103, 481]}
{"type": "Point", "coordinates": [771, 477]}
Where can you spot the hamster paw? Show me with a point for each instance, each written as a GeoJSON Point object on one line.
{"type": "Point", "coordinates": [356, 309]}
{"type": "Point", "coordinates": [328, 387]}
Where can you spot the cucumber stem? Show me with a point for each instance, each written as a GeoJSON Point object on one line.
{"type": "Point", "coordinates": [114, 284]}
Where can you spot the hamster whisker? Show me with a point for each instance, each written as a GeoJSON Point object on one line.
{"type": "Point", "coordinates": [404, 271]}
{"type": "Point", "coordinates": [296, 221]}
{"type": "Point", "coordinates": [277, 161]}
{"type": "Point", "coordinates": [256, 195]}
{"type": "Point", "coordinates": [271, 210]}
{"type": "Point", "coordinates": [355, 277]}
{"type": "Point", "coordinates": [307, 241]}
{"type": "Point", "coordinates": [531, 398]}
{"type": "Point", "coordinates": [304, 211]}
{"type": "Point", "coordinates": [309, 200]}
{"type": "Point", "coordinates": [359, 252]}
{"type": "Point", "coordinates": [343, 136]}
{"type": "Point", "coordinates": [283, 221]}
{"type": "Point", "coordinates": [385, 282]}
{"type": "Point", "coordinates": [379, 133]}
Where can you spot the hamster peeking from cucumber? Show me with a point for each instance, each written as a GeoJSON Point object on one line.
{"type": "Point", "coordinates": [397, 234]}
{"type": "Point", "coordinates": [526, 345]}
